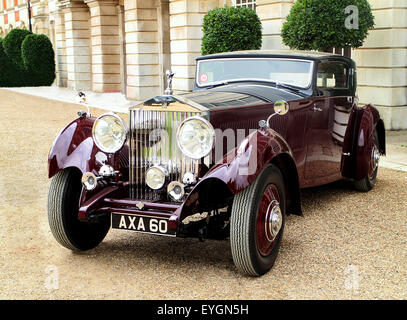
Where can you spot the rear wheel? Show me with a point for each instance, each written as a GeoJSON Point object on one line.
{"type": "Point", "coordinates": [63, 205]}
{"type": "Point", "coordinates": [257, 223]}
{"type": "Point", "coordinates": [367, 183]}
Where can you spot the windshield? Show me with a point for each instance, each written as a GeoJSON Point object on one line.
{"type": "Point", "coordinates": [289, 71]}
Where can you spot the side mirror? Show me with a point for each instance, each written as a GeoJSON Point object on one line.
{"type": "Point", "coordinates": [281, 107]}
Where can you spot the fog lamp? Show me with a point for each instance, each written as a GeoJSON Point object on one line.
{"type": "Point", "coordinates": [155, 177]}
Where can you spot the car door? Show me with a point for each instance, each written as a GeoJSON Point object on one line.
{"type": "Point", "coordinates": [329, 116]}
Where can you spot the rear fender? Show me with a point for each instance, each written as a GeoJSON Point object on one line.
{"type": "Point", "coordinates": [359, 139]}
{"type": "Point", "coordinates": [239, 168]}
{"type": "Point", "coordinates": [369, 122]}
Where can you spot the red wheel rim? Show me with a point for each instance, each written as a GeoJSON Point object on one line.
{"type": "Point", "coordinates": [267, 229]}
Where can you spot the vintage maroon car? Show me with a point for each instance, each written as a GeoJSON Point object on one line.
{"type": "Point", "coordinates": [226, 161]}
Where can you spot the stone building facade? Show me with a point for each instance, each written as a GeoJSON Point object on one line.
{"type": "Point", "coordinates": [126, 45]}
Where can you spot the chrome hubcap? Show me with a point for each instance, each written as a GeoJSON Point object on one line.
{"type": "Point", "coordinates": [273, 221]}
{"type": "Point", "coordinates": [375, 158]}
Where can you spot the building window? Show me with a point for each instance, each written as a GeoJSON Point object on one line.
{"type": "Point", "coordinates": [245, 3]}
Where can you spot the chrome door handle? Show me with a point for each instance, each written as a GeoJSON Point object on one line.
{"type": "Point", "coordinates": [317, 109]}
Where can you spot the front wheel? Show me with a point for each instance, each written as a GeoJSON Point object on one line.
{"type": "Point", "coordinates": [63, 205]}
{"type": "Point", "coordinates": [257, 223]}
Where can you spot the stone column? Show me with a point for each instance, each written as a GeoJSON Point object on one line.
{"type": "Point", "coordinates": [382, 63]}
{"type": "Point", "coordinates": [163, 42]}
{"type": "Point", "coordinates": [272, 14]}
{"type": "Point", "coordinates": [186, 18]}
{"type": "Point", "coordinates": [41, 18]}
{"type": "Point", "coordinates": [104, 23]}
{"type": "Point", "coordinates": [77, 39]}
{"type": "Point", "coordinates": [122, 41]}
{"type": "Point", "coordinates": [60, 49]}
{"type": "Point", "coordinates": [141, 29]}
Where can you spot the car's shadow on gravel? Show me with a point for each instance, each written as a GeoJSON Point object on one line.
{"type": "Point", "coordinates": [310, 197]}
{"type": "Point", "coordinates": [129, 248]}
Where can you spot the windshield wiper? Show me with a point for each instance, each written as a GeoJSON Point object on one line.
{"type": "Point", "coordinates": [217, 84]}
{"type": "Point", "coordinates": [285, 86]}
{"type": "Point", "coordinates": [276, 84]}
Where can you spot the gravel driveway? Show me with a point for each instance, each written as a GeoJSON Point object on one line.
{"type": "Point", "coordinates": [348, 245]}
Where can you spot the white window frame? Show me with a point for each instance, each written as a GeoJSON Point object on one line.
{"type": "Point", "coordinates": [244, 3]}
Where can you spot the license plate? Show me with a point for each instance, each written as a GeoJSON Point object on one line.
{"type": "Point", "coordinates": [141, 223]}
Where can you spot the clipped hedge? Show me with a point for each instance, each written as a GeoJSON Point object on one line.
{"type": "Point", "coordinates": [38, 59]}
{"type": "Point", "coordinates": [320, 25]}
{"type": "Point", "coordinates": [4, 62]}
{"type": "Point", "coordinates": [11, 74]}
{"type": "Point", "coordinates": [26, 59]}
{"type": "Point", "coordinates": [12, 44]}
{"type": "Point", "coordinates": [231, 29]}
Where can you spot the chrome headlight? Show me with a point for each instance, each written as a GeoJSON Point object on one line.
{"type": "Point", "coordinates": [109, 132]}
{"type": "Point", "coordinates": [195, 137]}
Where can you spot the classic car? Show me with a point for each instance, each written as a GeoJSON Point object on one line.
{"type": "Point", "coordinates": [226, 161]}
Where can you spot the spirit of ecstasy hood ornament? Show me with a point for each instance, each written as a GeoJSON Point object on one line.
{"type": "Point", "coordinates": [169, 74]}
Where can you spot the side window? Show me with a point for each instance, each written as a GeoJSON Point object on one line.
{"type": "Point", "coordinates": [332, 75]}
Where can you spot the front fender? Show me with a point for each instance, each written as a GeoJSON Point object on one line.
{"type": "Point", "coordinates": [239, 168]}
{"type": "Point", "coordinates": [74, 147]}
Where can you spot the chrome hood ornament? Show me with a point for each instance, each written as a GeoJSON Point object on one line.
{"type": "Point", "coordinates": [169, 74]}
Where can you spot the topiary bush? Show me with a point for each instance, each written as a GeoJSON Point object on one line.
{"type": "Point", "coordinates": [320, 25]}
{"type": "Point", "coordinates": [4, 62]}
{"type": "Point", "coordinates": [12, 44]}
{"type": "Point", "coordinates": [26, 59]}
{"type": "Point", "coordinates": [38, 59]}
{"type": "Point", "coordinates": [231, 29]}
{"type": "Point", "coordinates": [11, 74]}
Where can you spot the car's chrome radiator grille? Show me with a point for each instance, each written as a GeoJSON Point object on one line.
{"type": "Point", "coordinates": [153, 142]}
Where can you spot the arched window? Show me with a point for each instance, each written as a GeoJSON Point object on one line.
{"type": "Point", "coordinates": [245, 3]}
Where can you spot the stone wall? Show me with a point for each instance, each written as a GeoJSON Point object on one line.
{"type": "Point", "coordinates": [186, 18]}
{"type": "Point", "coordinates": [105, 45]}
{"type": "Point", "coordinates": [382, 63]}
{"type": "Point", "coordinates": [272, 14]}
{"type": "Point", "coordinates": [141, 30]}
